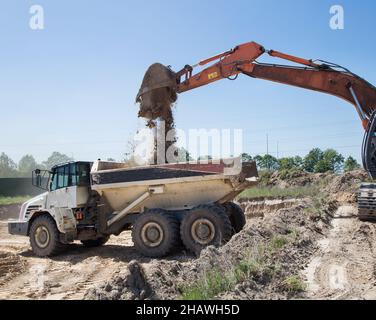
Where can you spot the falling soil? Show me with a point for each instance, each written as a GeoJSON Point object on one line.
{"type": "Point", "coordinates": [156, 98]}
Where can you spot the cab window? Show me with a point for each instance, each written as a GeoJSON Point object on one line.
{"type": "Point", "coordinates": [73, 177]}
{"type": "Point", "coordinates": [73, 174]}
{"type": "Point", "coordinates": [62, 176]}
{"type": "Point", "coordinates": [83, 174]}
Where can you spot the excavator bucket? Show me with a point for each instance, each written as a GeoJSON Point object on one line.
{"type": "Point", "coordinates": [157, 92]}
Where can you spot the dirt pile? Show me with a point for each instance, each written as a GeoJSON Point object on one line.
{"type": "Point", "coordinates": [262, 260]}
{"type": "Point", "coordinates": [339, 187]}
{"type": "Point", "coordinates": [348, 181]}
{"type": "Point", "coordinates": [343, 188]}
{"type": "Point", "coordinates": [296, 179]}
{"type": "Point", "coordinates": [332, 182]}
{"type": "Point", "coordinates": [261, 208]}
{"type": "Point", "coordinates": [130, 285]}
{"type": "Point", "coordinates": [10, 266]}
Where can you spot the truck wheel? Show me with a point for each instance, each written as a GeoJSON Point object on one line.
{"type": "Point", "coordinates": [236, 215]}
{"type": "Point", "coordinates": [44, 237]}
{"type": "Point", "coordinates": [155, 233]}
{"type": "Point", "coordinates": [95, 242]}
{"type": "Point", "coordinates": [205, 225]}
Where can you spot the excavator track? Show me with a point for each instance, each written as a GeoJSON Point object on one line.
{"type": "Point", "coordinates": [366, 195]}
{"type": "Point", "coordinates": [367, 202]}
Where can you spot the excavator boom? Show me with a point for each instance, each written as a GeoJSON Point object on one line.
{"type": "Point", "coordinates": [318, 77]}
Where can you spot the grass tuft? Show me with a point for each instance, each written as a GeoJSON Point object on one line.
{"type": "Point", "coordinates": [293, 284]}
{"type": "Point", "coordinates": [275, 192]}
{"type": "Point", "coordinates": [253, 265]}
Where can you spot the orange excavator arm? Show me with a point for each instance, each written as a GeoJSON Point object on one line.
{"type": "Point", "coordinates": [323, 77]}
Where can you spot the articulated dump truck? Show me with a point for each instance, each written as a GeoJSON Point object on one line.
{"type": "Point", "coordinates": [166, 206]}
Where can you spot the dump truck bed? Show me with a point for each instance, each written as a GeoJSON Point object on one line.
{"type": "Point", "coordinates": [171, 186]}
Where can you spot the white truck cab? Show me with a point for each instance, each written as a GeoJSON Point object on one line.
{"type": "Point", "coordinates": [61, 207]}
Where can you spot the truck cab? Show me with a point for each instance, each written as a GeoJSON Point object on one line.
{"type": "Point", "coordinates": [68, 185]}
{"type": "Point", "coordinates": [65, 202]}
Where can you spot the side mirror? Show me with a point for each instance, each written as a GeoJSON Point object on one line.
{"type": "Point", "coordinates": [40, 178]}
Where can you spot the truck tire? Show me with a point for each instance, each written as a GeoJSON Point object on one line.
{"type": "Point", "coordinates": [95, 242]}
{"type": "Point", "coordinates": [236, 215]}
{"type": "Point", "coordinates": [205, 225]}
{"type": "Point", "coordinates": [44, 237]}
{"type": "Point", "coordinates": [155, 233]}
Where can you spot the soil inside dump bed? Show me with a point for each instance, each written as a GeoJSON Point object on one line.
{"type": "Point", "coordinates": [144, 174]}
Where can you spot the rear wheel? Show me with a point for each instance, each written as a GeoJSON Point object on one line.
{"type": "Point", "coordinates": [155, 233]}
{"type": "Point", "coordinates": [95, 242]}
{"type": "Point", "coordinates": [44, 237]}
{"type": "Point", "coordinates": [236, 215]}
{"type": "Point", "coordinates": [205, 225]}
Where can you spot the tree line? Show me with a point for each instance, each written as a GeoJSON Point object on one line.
{"type": "Point", "coordinates": [11, 169]}
{"type": "Point", "coordinates": [316, 161]}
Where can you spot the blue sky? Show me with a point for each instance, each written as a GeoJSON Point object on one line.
{"type": "Point", "coordinates": [71, 86]}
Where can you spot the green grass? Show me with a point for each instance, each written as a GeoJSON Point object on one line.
{"type": "Point", "coordinates": [13, 200]}
{"type": "Point", "coordinates": [211, 284]}
{"type": "Point", "coordinates": [293, 284]}
{"type": "Point", "coordinates": [278, 242]}
{"type": "Point", "coordinates": [274, 192]}
{"type": "Point", "coordinates": [317, 210]}
{"type": "Point", "coordinates": [254, 264]}
{"type": "Point", "coordinates": [214, 282]}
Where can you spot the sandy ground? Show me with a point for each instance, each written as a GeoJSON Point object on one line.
{"type": "Point", "coordinates": [343, 267]}
{"type": "Point", "coordinates": [68, 276]}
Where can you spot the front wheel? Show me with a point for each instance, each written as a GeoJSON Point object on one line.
{"type": "Point", "coordinates": [44, 237]}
